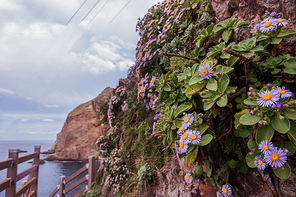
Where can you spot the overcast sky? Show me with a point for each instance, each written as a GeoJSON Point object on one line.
{"type": "Point", "coordinates": [49, 67]}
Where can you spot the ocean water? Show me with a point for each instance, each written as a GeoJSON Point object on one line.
{"type": "Point", "coordinates": [49, 173]}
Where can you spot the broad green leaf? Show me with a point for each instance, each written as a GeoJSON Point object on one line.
{"type": "Point", "coordinates": [264, 52]}
{"type": "Point", "coordinates": [237, 48]}
{"type": "Point", "coordinates": [193, 89]}
{"type": "Point", "coordinates": [264, 43]}
{"type": "Point", "coordinates": [276, 40]}
{"type": "Point", "coordinates": [237, 117]}
{"type": "Point", "coordinates": [178, 122]}
{"type": "Point", "coordinates": [192, 156]}
{"type": "Point", "coordinates": [167, 88]}
{"type": "Point", "coordinates": [250, 158]}
{"type": "Point", "coordinates": [198, 171]}
{"type": "Point", "coordinates": [195, 79]}
{"type": "Point", "coordinates": [252, 144]}
{"type": "Point", "coordinates": [283, 172]}
{"type": "Point", "coordinates": [227, 70]}
{"type": "Point", "coordinates": [182, 76]}
{"type": "Point", "coordinates": [224, 83]}
{"type": "Point", "coordinates": [208, 106]}
{"type": "Point", "coordinates": [209, 172]}
{"type": "Point", "coordinates": [205, 139]}
{"type": "Point", "coordinates": [187, 71]}
{"type": "Point", "coordinates": [292, 133]}
{"type": "Point", "coordinates": [212, 84]}
{"type": "Point", "coordinates": [263, 37]}
{"type": "Point", "coordinates": [233, 60]}
{"type": "Point", "coordinates": [209, 29]}
{"type": "Point", "coordinates": [282, 126]}
{"type": "Point", "coordinates": [249, 102]}
{"type": "Point", "coordinates": [182, 108]}
{"type": "Point", "coordinates": [242, 24]}
{"type": "Point", "coordinates": [193, 69]}
{"type": "Point", "coordinates": [264, 133]}
{"type": "Point", "coordinates": [244, 133]}
{"type": "Point", "coordinates": [258, 48]}
{"type": "Point", "coordinates": [219, 68]}
{"type": "Point", "coordinates": [171, 134]}
{"type": "Point", "coordinates": [290, 70]}
{"type": "Point", "coordinates": [291, 63]}
{"type": "Point", "coordinates": [202, 128]}
{"type": "Point", "coordinates": [290, 115]}
{"type": "Point", "coordinates": [222, 101]}
{"type": "Point", "coordinates": [248, 119]}
{"type": "Point", "coordinates": [286, 33]}
{"type": "Point", "coordinates": [288, 145]}
{"type": "Point", "coordinates": [227, 35]}
{"type": "Point", "coordinates": [170, 101]}
{"type": "Point", "coordinates": [231, 163]}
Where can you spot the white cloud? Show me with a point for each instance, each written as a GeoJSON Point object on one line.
{"type": "Point", "coordinates": [51, 106]}
{"type": "Point", "coordinates": [5, 91]}
{"type": "Point", "coordinates": [24, 120]}
{"type": "Point", "coordinates": [48, 120]}
{"type": "Point", "coordinates": [28, 98]}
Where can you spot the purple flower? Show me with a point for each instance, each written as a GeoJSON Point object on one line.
{"type": "Point", "coordinates": [281, 92]}
{"type": "Point", "coordinates": [260, 122]}
{"type": "Point", "coordinates": [197, 184]}
{"type": "Point", "coordinates": [273, 30]}
{"type": "Point", "coordinates": [152, 82]}
{"type": "Point", "coordinates": [259, 162]}
{"type": "Point", "coordinates": [253, 149]}
{"type": "Point", "coordinates": [205, 71]}
{"type": "Point", "coordinates": [255, 28]}
{"type": "Point", "coordinates": [188, 178]}
{"type": "Point", "coordinates": [267, 98]}
{"type": "Point", "coordinates": [252, 112]}
{"type": "Point", "coordinates": [226, 191]}
{"type": "Point", "coordinates": [219, 194]}
{"type": "Point", "coordinates": [156, 117]}
{"type": "Point", "coordinates": [272, 13]}
{"type": "Point", "coordinates": [267, 24]}
{"type": "Point", "coordinates": [276, 158]}
{"type": "Point", "coordinates": [154, 125]}
{"type": "Point", "coordinates": [249, 93]}
{"type": "Point", "coordinates": [287, 151]}
{"type": "Point", "coordinates": [265, 146]}
{"type": "Point", "coordinates": [188, 119]}
{"type": "Point", "coordinates": [193, 191]}
{"type": "Point", "coordinates": [194, 137]}
{"type": "Point", "coordinates": [281, 22]}
{"type": "Point", "coordinates": [269, 84]}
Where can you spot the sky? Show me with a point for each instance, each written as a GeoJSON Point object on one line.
{"type": "Point", "coordinates": [52, 60]}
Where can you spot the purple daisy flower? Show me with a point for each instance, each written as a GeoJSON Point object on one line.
{"type": "Point", "coordinates": [183, 146]}
{"type": "Point", "coordinates": [156, 117]}
{"type": "Point", "coordinates": [205, 71]}
{"type": "Point", "coordinates": [219, 194]}
{"type": "Point", "coordinates": [267, 98]}
{"type": "Point", "coordinates": [197, 184]}
{"type": "Point", "coordinates": [265, 146]}
{"type": "Point", "coordinates": [281, 92]}
{"type": "Point", "coordinates": [259, 162]}
{"type": "Point", "coordinates": [255, 28]}
{"type": "Point", "coordinates": [154, 125]}
{"type": "Point", "coordinates": [194, 137]}
{"type": "Point", "coordinates": [267, 24]}
{"type": "Point", "coordinates": [193, 191]}
{"type": "Point", "coordinates": [272, 13]}
{"type": "Point", "coordinates": [188, 178]}
{"type": "Point", "coordinates": [188, 119]}
{"type": "Point", "coordinates": [185, 136]}
{"type": "Point", "coordinates": [276, 158]}
{"type": "Point", "coordinates": [226, 190]}
{"type": "Point", "coordinates": [181, 130]}
{"type": "Point", "coordinates": [152, 82]}
{"type": "Point", "coordinates": [281, 22]}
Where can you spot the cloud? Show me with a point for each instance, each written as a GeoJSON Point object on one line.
{"type": "Point", "coordinates": [24, 120]}
{"type": "Point", "coordinates": [5, 91]}
{"type": "Point", "coordinates": [51, 106]}
{"type": "Point", "coordinates": [48, 120]}
{"type": "Point", "coordinates": [28, 98]}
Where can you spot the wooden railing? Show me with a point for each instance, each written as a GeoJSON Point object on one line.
{"type": "Point", "coordinates": [90, 177]}
{"type": "Point", "coordinates": [28, 188]}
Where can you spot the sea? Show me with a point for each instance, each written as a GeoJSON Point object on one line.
{"type": "Point", "coordinates": [49, 172]}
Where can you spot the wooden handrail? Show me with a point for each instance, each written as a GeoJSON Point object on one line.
{"type": "Point", "coordinates": [27, 157]}
{"type": "Point", "coordinates": [70, 178]}
{"type": "Point", "coordinates": [79, 192]}
{"type": "Point", "coordinates": [26, 172]}
{"type": "Point", "coordinates": [54, 191]}
{"type": "Point", "coordinates": [76, 184]}
{"type": "Point", "coordinates": [25, 187]}
{"type": "Point", "coordinates": [5, 184]}
{"type": "Point", "coordinates": [6, 164]}
{"type": "Point", "coordinates": [32, 194]}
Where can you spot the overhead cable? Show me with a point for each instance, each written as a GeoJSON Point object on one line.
{"type": "Point", "coordinates": [120, 11]}
{"type": "Point", "coordinates": [76, 12]}
{"type": "Point", "coordinates": [98, 12]}
{"type": "Point", "coordinates": [90, 11]}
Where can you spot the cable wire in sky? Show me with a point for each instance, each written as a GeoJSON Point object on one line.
{"type": "Point", "coordinates": [120, 11]}
{"type": "Point", "coordinates": [98, 12]}
{"type": "Point", "coordinates": [76, 12]}
{"type": "Point", "coordinates": [90, 11]}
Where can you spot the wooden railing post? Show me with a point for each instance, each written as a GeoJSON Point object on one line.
{"type": "Point", "coordinates": [62, 186]}
{"type": "Point", "coordinates": [12, 172]}
{"type": "Point", "coordinates": [91, 170]}
{"type": "Point", "coordinates": [35, 173]}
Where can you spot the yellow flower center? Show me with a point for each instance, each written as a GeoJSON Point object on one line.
{"type": "Point", "coordinates": [185, 136]}
{"type": "Point", "coordinates": [268, 24]}
{"type": "Point", "coordinates": [151, 81]}
{"type": "Point", "coordinates": [280, 20]}
{"type": "Point", "coordinates": [260, 162]}
{"type": "Point", "coordinates": [181, 144]}
{"type": "Point", "coordinates": [187, 178]}
{"type": "Point", "coordinates": [225, 191]}
{"type": "Point", "coordinates": [181, 128]}
{"type": "Point", "coordinates": [255, 28]}
{"type": "Point", "coordinates": [179, 149]}
{"type": "Point", "coordinates": [218, 196]}
{"type": "Point", "coordinates": [263, 21]}
{"type": "Point", "coordinates": [197, 184]}
{"type": "Point", "coordinates": [282, 91]}
{"type": "Point", "coordinates": [265, 147]}
{"type": "Point", "coordinates": [267, 97]}
{"type": "Point", "coordinates": [274, 157]}
{"type": "Point", "coordinates": [186, 119]}
{"type": "Point", "coordinates": [204, 72]}
{"type": "Point", "coordinates": [193, 136]}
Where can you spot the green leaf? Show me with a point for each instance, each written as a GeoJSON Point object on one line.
{"type": "Point", "coordinates": [227, 35]}
{"type": "Point", "coordinates": [202, 128]}
{"type": "Point", "coordinates": [264, 52]}
{"type": "Point", "coordinates": [167, 88]}
{"type": "Point", "coordinates": [290, 115]}
{"type": "Point", "coordinates": [263, 37]}
{"type": "Point", "coordinates": [233, 60]}
{"type": "Point", "coordinates": [192, 156]}
{"type": "Point", "coordinates": [224, 83]}
{"type": "Point", "coordinates": [242, 24]}
{"type": "Point", "coordinates": [248, 119]}
{"type": "Point", "coordinates": [193, 69]}
{"type": "Point", "coordinates": [195, 79]}
{"type": "Point", "coordinates": [208, 106]}
{"type": "Point", "coordinates": [249, 102]}
{"type": "Point", "coordinates": [171, 134]}
{"type": "Point", "coordinates": [292, 133]}
{"type": "Point", "coordinates": [187, 71]}
{"type": "Point", "coordinates": [182, 76]}
{"type": "Point", "coordinates": [212, 84]}
{"type": "Point", "coordinates": [252, 144]}
{"type": "Point", "coordinates": [237, 117]}
{"type": "Point", "coordinates": [290, 70]}
{"type": "Point", "coordinates": [250, 158]}
{"type": "Point", "coordinates": [237, 48]}
{"type": "Point", "coordinates": [264, 133]}
{"type": "Point", "coordinates": [291, 63]}
{"type": "Point", "coordinates": [227, 70]}
{"type": "Point", "coordinates": [231, 163]}
{"type": "Point", "coordinates": [265, 43]}
{"type": "Point", "coordinates": [288, 145]}
{"type": "Point", "coordinates": [282, 126]}
{"type": "Point", "coordinates": [193, 89]}
{"type": "Point", "coordinates": [286, 33]}
{"type": "Point", "coordinates": [182, 108]}
{"type": "Point", "coordinates": [276, 40]}
{"type": "Point", "coordinates": [283, 172]}
{"type": "Point", "coordinates": [209, 173]}
{"type": "Point", "coordinates": [258, 48]}
{"type": "Point", "coordinates": [222, 101]}
{"type": "Point", "coordinates": [198, 171]}
{"type": "Point", "coordinates": [205, 139]}
{"type": "Point", "coordinates": [244, 133]}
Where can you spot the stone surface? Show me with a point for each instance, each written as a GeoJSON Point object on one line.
{"type": "Point", "coordinates": [77, 139]}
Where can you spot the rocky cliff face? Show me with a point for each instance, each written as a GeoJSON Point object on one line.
{"type": "Point", "coordinates": [76, 141]}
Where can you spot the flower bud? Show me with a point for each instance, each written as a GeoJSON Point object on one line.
{"type": "Point", "coordinates": [269, 84]}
